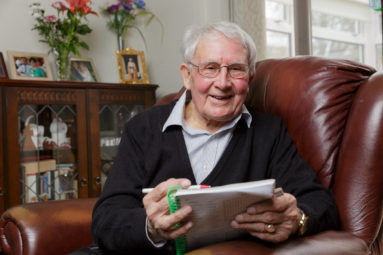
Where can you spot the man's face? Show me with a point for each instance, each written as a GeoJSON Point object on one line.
{"type": "Point", "coordinates": [220, 98]}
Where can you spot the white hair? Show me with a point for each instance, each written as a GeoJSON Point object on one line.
{"type": "Point", "coordinates": [232, 31]}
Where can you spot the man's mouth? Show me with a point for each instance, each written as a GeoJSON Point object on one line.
{"type": "Point", "coordinates": [221, 97]}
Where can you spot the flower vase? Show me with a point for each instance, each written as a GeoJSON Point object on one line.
{"type": "Point", "coordinates": [62, 64]}
{"type": "Point", "coordinates": [120, 43]}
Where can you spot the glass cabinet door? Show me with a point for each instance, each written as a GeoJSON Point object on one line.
{"type": "Point", "coordinates": [46, 144]}
{"type": "Point", "coordinates": [112, 120]}
{"type": "Point", "coordinates": [109, 110]}
{"type": "Point", "coordinates": [48, 151]}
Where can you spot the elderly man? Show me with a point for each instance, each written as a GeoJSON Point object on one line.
{"type": "Point", "coordinates": [207, 137]}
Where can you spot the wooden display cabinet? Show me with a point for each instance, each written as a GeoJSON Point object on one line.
{"type": "Point", "coordinates": [59, 139]}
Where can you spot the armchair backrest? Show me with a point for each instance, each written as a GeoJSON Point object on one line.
{"type": "Point", "coordinates": [333, 110]}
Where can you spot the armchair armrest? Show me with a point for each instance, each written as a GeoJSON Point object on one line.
{"type": "Point", "coordinates": [52, 227]}
{"type": "Point", "coordinates": [328, 242]}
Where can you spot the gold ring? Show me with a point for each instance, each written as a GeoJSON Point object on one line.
{"type": "Point", "coordinates": [270, 228]}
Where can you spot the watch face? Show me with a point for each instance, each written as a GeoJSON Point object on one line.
{"type": "Point", "coordinates": [302, 223]}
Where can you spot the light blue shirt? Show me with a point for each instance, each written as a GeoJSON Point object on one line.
{"type": "Point", "coordinates": [204, 148]}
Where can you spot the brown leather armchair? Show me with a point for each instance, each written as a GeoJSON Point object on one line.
{"type": "Point", "coordinates": [333, 110]}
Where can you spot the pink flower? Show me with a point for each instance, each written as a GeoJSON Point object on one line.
{"type": "Point", "coordinates": [50, 19]}
{"type": "Point", "coordinates": [59, 6]}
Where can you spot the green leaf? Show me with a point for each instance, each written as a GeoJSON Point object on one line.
{"type": "Point", "coordinates": [84, 45]}
{"type": "Point", "coordinates": [83, 29]}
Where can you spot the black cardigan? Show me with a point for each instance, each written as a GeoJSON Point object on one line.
{"type": "Point", "coordinates": [148, 156]}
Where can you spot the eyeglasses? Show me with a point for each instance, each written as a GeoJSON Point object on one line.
{"type": "Point", "coordinates": [212, 69]}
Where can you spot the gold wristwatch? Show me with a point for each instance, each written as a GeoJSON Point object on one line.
{"type": "Point", "coordinates": [302, 223]}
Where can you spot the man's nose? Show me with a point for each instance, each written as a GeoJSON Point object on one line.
{"type": "Point", "coordinates": [224, 78]}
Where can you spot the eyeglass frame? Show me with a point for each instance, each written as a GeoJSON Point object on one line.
{"type": "Point", "coordinates": [219, 69]}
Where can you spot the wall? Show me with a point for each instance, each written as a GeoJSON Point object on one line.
{"type": "Point", "coordinates": [163, 57]}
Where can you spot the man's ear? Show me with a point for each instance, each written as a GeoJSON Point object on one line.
{"type": "Point", "coordinates": [251, 78]}
{"type": "Point", "coordinates": [186, 75]}
{"type": "Point", "coordinates": [251, 81]}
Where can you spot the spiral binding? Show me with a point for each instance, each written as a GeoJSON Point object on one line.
{"type": "Point", "coordinates": [174, 206]}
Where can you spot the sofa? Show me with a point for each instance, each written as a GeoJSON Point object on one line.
{"type": "Point", "coordinates": [333, 110]}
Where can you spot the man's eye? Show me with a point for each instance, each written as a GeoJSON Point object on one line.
{"type": "Point", "coordinates": [211, 67]}
{"type": "Point", "coordinates": [237, 68]}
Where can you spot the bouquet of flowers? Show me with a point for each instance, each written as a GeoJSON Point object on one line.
{"type": "Point", "coordinates": [62, 32]}
{"type": "Point", "coordinates": [122, 16]}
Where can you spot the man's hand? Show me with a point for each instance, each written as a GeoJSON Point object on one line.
{"type": "Point", "coordinates": [160, 222]}
{"type": "Point", "coordinates": [281, 213]}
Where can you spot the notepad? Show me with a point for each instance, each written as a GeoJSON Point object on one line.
{"type": "Point", "coordinates": [213, 210]}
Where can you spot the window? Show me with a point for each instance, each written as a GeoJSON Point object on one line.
{"type": "Point", "coordinates": [341, 35]}
{"type": "Point", "coordinates": [379, 60]}
{"type": "Point", "coordinates": [279, 28]}
{"type": "Point", "coordinates": [278, 44]}
{"type": "Point", "coordinates": [336, 23]}
{"type": "Point", "coordinates": [276, 11]}
{"type": "Point", "coordinates": [345, 29]}
{"type": "Point", "coordinates": [378, 46]}
{"type": "Point", "coordinates": [337, 49]}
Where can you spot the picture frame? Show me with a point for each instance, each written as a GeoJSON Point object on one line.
{"type": "Point", "coordinates": [132, 67]}
{"type": "Point", "coordinates": [29, 66]}
{"type": "Point", "coordinates": [82, 69]}
{"type": "Point", "coordinates": [3, 68]}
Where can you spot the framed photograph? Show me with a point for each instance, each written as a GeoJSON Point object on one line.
{"type": "Point", "coordinates": [29, 66]}
{"type": "Point", "coordinates": [3, 68]}
{"type": "Point", "coordinates": [132, 66]}
{"type": "Point", "coordinates": [82, 69]}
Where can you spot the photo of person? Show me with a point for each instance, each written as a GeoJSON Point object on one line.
{"type": "Point", "coordinates": [22, 66]}
{"type": "Point", "coordinates": [30, 67]}
{"type": "Point", "coordinates": [132, 67]}
{"type": "Point", "coordinates": [82, 70]}
{"type": "Point", "coordinates": [36, 68]}
{"type": "Point", "coordinates": [132, 71]}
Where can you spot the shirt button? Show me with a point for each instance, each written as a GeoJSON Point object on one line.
{"type": "Point", "coordinates": [205, 167]}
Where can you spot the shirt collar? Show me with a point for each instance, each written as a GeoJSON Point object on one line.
{"type": "Point", "coordinates": [176, 117]}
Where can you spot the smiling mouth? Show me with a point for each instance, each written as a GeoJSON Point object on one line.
{"type": "Point", "coordinates": [221, 98]}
